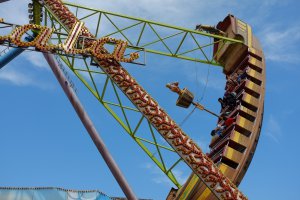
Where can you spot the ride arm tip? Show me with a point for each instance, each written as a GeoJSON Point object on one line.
{"type": "Point", "coordinates": [174, 87]}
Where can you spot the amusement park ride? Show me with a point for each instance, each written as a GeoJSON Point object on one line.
{"type": "Point", "coordinates": [56, 28]}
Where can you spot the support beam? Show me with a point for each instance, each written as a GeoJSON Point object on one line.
{"type": "Point", "coordinates": [12, 54]}
{"type": "Point", "coordinates": [186, 148]}
{"type": "Point", "coordinates": [88, 124]}
{"type": "Point", "coordinates": [9, 56]}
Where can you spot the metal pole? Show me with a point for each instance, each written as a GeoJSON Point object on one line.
{"type": "Point", "coordinates": [87, 122]}
{"type": "Point", "coordinates": [12, 53]}
{"type": "Point", "coordinates": [201, 107]}
{"type": "Point", "coordinates": [8, 56]}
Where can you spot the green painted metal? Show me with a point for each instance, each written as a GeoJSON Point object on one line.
{"type": "Point", "coordinates": [138, 125]}
{"type": "Point", "coordinates": [95, 90]}
{"type": "Point", "coordinates": [37, 8]}
{"type": "Point", "coordinates": [122, 108]}
{"type": "Point", "coordinates": [160, 41]}
{"type": "Point", "coordinates": [120, 30]}
{"type": "Point", "coordinates": [98, 25]}
{"type": "Point", "coordinates": [158, 145]}
{"type": "Point", "coordinates": [157, 148]}
{"type": "Point", "coordinates": [176, 163]}
{"type": "Point", "coordinates": [155, 23]}
{"type": "Point", "coordinates": [110, 97]}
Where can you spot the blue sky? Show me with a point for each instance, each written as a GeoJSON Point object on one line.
{"type": "Point", "coordinates": [43, 143]}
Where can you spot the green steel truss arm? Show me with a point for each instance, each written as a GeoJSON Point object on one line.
{"type": "Point", "coordinates": [132, 121]}
{"type": "Point", "coordinates": [109, 95]}
{"type": "Point", "coordinates": [122, 110]}
{"type": "Point", "coordinates": [153, 37]}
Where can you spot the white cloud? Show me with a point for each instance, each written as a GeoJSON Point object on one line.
{"type": "Point", "coordinates": [279, 40]}
{"type": "Point", "coordinates": [168, 11]}
{"type": "Point", "coordinates": [203, 77]}
{"type": "Point", "coordinates": [19, 14]}
{"type": "Point", "coordinates": [280, 43]}
{"type": "Point", "coordinates": [181, 13]}
{"type": "Point", "coordinates": [160, 178]}
{"type": "Point", "coordinates": [164, 180]}
{"type": "Point", "coordinates": [21, 79]}
{"type": "Point", "coordinates": [213, 83]}
{"type": "Point", "coordinates": [16, 78]}
{"type": "Point", "coordinates": [36, 58]}
{"type": "Point", "coordinates": [15, 11]}
{"type": "Point", "coordinates": [273, 129]}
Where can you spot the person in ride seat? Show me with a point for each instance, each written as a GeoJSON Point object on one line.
{"type": "Point", "coordinates": [228, 121]}
{"type": "Point", "coordinates": [242, 76]}
{"type": "Point", "coordinates": [218, 130]}
{"type": "Point", "coordinates": [235, 79]}
{"type": "Point", "coordinates": [225, 114]}
{"type": "Point", "coordinates": [230, 85]}
{"type": "Point", "coordinates": [222, 102]}
{"type": "Point", "coordinates": [230, 100]}
{"type": "Point", "coordinates": [232, 80]}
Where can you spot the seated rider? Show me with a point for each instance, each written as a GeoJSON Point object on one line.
{"type": "Point", "coordinates": [231, 100]}
{"type": "Point", "coordinates": [230, 85]}
{"type": "Point", "coordinates": [222, 102]}
{"type": "Point", "coordinates": [228, 121]}
{"type": "Point", "coordinates": [218, 130]}
{"type": "Point", "coordinates": [242, 76]}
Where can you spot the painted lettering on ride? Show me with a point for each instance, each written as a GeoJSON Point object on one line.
{"type": "Point", "coordinates": [89, 47]}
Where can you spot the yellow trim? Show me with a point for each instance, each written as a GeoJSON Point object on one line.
{"type": "Point", "coordinates": [250, 85]}
{"type": "Point", "coordinates": [236, 136]}
{"type": "Point", "coordinates": [223, 168]}
{"type": "Point", "coordinates": [189, 187]}
{"type": "Point", "coordinates": [248, 98]}
{"type": "Point", "coordinates": [229, 152]}
{"type": "Point", "coordinates": [207, 191]}
{"type": "Point", "coordinates": [242, 121]}
{"type": "Point", "coordinates": [254, 51]}
{"type": "Point", "coordinates": [251, 72]}
{"type": "Point", "coordinates": [249, 36]}
{"type": "Point", "coordinates": [205, 194]}
{"type": "Point", "coordinates": [253, 61]}
{"type": "Point", "coordinates": [254, 74]}
{"type": "Point", "coordinates": [245, 123]}
{"type": "Point", "coordinates": [242, 25]}
{"type": "Point", "coordinates": [247, 110]}
{"type": "Point", "coordinates": [253, 86]}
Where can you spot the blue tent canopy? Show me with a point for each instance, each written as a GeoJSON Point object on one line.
{"type": "Point", "coordinates": [49, 193]}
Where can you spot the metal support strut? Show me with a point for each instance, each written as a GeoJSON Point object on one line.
{"type": "Point", "coordinates": [12, 53]}
{"type": "Point", "coordinates": [186, 98]}
{"type": "Point", "coordinates": [88, 124]}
